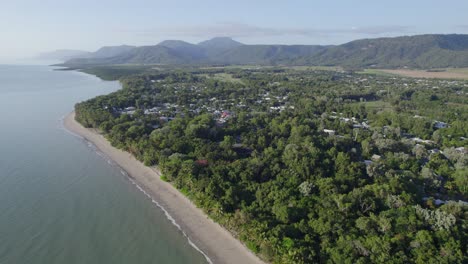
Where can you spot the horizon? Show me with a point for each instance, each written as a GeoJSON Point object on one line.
{"type": "Point", "coordinates": [88, 26]}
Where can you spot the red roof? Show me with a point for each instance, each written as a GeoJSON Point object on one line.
{"type": "Point", "coordinates": [202, 162]}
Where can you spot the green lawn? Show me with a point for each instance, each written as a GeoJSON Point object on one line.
{"type": "Point", "coordinates": [379, 105]}
{"type": "Point", "coordinates": [224, 77]}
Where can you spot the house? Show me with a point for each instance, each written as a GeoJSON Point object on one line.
{"type": "Point", "coordinates": [433, 151]}
{"type": "Point", "coordinates": [225, 114]}
{"type": "Point", "coordinates": [329, 131]}
{"type": "Point", "coordinates": [439, 124]}
{"type": "Point", "coordinates": [153, 110]}
{"type": "Point", "coordinates": [462, 150]}
{"type": "Point", "coordinates": [365, 125]}
{"type": "Point", "coordinates": [416, 139]}
{"type": "Point", "coordinates": [202, 162]}
{"type": "Point", "coordinates": [128, 110]}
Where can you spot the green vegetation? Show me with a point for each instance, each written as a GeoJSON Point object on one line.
{"type": "Point", "coordinates": [223, 77]}
{"type": "Point", "coordinates": [164, 178]}
{"type": "Point", "coordinates": [306, 166]}
{"type": "Point", "coordinates": [377, 72]}
{"type": "Point", "coordinates": [437, 73]}
{"type": "Point", "coordinates": [115, 72]}
{"type": "Point", "coordinates": [422, 51]}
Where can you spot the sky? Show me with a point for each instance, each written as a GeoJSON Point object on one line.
{"type": "Point", "coordinates": [29, 27]}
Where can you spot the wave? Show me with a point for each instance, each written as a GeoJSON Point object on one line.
{"type": "Point", "coordinates": [171, 219]}
{"type": "Point", "coordinates": [131, 179]}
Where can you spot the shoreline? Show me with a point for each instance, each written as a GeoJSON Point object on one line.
{"type": "Point", "coordinates": [209, 238]}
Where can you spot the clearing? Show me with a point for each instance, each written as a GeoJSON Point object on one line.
{"type": "Point", "coordinates": [449, 73]}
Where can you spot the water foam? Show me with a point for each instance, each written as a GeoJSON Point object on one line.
{"type": "Point", "coordinates": [123, 172]}
{"type": "Point", "coordinates": [173, 221]}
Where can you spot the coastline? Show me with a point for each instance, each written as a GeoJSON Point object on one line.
{"type": "Point", "coordinates": [211, 239]}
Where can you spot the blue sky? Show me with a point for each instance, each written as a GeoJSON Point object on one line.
{"type": "Point", "coordinates": [30, 26]}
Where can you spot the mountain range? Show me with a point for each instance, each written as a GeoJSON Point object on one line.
{"type": "Point", "coordinates": [63, 54]}
{"type": "Point", "coordinates": [420, 51]}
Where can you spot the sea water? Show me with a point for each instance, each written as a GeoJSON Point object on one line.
{"type": "Point", "coordinates": [61, 201]}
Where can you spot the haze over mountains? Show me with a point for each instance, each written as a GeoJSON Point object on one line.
{"type": "Point", "coordinates": [421, 51]}
{"type": "Point", "coordinates": [63, 54]}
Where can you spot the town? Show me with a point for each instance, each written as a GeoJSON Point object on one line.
{"type": "Point", "coordinates": [346, 149]}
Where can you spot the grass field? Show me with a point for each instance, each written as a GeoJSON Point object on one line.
{"type": "Point", "coordinates": [314, 68]}
{"type": "Point", "coordinates": [224, 77]}
{"type": "Point", "coordinates": [298, 68]}
{"type": "Point", "coordinates": [449, 73]}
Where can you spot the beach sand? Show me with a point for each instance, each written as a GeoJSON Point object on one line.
{"type": "Point", "coordinates": [209, 237]}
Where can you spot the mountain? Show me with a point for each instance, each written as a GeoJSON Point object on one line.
{"type": "Point", "coordinates": [111, 51]}
{"type": "Point", "coordinates": [421, 51]}
{"type": "Point", "coordinates": [221, 50]}
{"type": "Point", "coordinates": [101, 55]}
{"type": "Point", "coordinates": [187, 50]}
{"type": "Point", "coordinates": [157, 54]}
{"type": "Point", "coordinates": [63, 54]}
{"type": "Point", "coordinates": [141, 55]}
{"type": "Point", "coordinates": [218, 45]}
{"type": "Point", "coordinates": [268, 54]}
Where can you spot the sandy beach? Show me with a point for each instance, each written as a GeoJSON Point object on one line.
{"type": "Point", "coordinates": [212, 239]}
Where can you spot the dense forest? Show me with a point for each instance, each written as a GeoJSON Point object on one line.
{"type": "Point", "coordinates": [302, 165]}
{"type": "Point", "coordinates": [420, 51]}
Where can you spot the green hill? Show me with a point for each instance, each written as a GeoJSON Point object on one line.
{"type": "Point", "coordinates": [422, 51]}
{"type": "Point", "coordinates": [268, 54]}
{"type": "Point", "coordinates": [218, 45]}
{"type": "Point", "coordinates": [111, 51]}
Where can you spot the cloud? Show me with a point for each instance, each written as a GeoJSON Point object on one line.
{"type": "Point", "coordinates": [245, 30]}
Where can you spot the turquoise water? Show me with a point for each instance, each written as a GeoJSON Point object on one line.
{"type": "Point", "coordinates": [60, 200]}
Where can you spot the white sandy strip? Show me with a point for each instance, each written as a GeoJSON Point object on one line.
{"type": "Point", "coordinates": [215, 242]}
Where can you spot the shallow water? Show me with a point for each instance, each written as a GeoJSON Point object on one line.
{"type": "Point", "coordinates": [60, 200]}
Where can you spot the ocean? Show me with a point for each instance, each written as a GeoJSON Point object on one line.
{"type": "Point", "coordinates": [61, 201]}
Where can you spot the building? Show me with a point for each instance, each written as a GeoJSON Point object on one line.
{"type": "Point", "coordinates": [439, 124]}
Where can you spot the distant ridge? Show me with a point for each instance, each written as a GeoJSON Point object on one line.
{"type": "Point", "coordinates": [218, 45]}
{"type": "Point", "coordinates": [420, 51]}
{"type": "Point", "coordinates": [111, 51]}
{"type": "Point", "coordinates": [187, 50]}
{"type": "Point", "coordinates": [63, 54]}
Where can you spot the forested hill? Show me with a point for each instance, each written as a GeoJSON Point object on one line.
{"type": "Point", "coordinates": [422, 51]}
